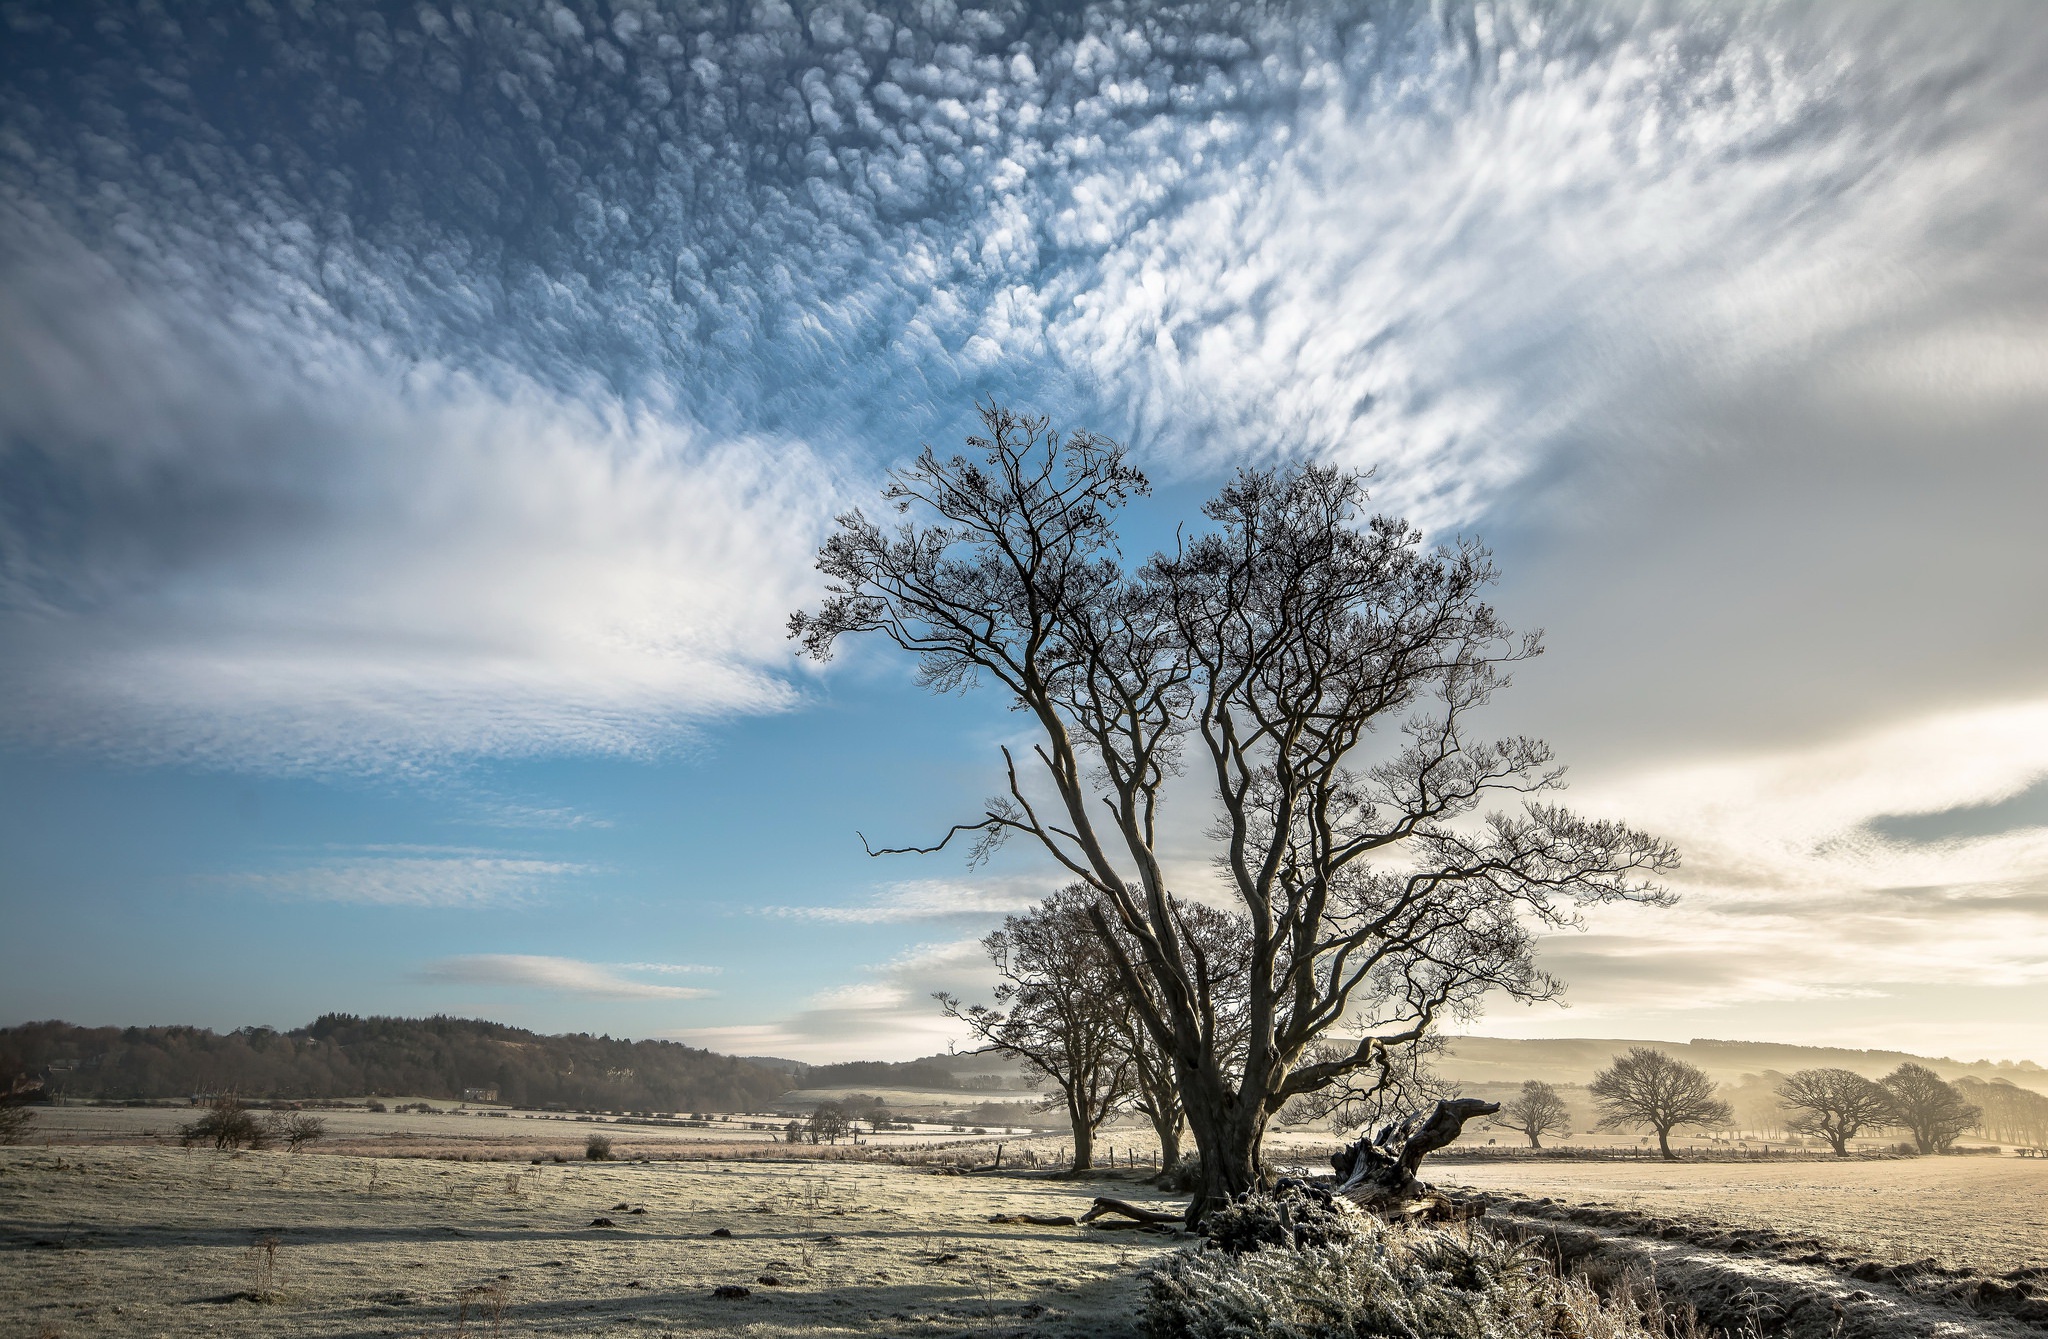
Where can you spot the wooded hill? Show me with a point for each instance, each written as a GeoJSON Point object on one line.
{"type": "Point", "coordinates": [341, 1055]}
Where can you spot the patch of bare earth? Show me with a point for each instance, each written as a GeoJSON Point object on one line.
{"type": "Point", "coordinates": [122, 1240]}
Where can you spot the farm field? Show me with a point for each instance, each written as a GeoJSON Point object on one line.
{"type": "Point", "coordinates": [170, 1242]}
{"type": "Point", "coordinates": [1990, 1213]}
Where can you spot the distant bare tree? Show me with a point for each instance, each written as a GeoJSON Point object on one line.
{"type": "Point", "coordinates": [828, 1123]}
{"type": "Point", "coordinates": [1536, 1111]}
{"type": "Point", "coordinates": [1927, 1107]}
{"type": "Point", "coordinates": [2012, 1114]}
{"type": "Point", "coordinates": [1319, 669]}
{"type": "Point", "coordinates": [1059, 1008]}
{"type": "Point", "coordinates": [227, 1123]}
{"type": "Point", "coordinates": [296, 1129]}
{"type": "Point", "coordinates": [16, 1090]}
{"type": "Point", "coordinates": [1836, 1104]}
{"type": "Point", "coordinates": [1649, 1088]}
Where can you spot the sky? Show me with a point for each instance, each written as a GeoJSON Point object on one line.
{"type": "Point", "coordinates": [417, 422]}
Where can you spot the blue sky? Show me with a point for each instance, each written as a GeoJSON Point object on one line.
{"type": "Point", "coordinates": [416, 420]}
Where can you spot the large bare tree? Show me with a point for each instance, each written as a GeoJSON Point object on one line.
{"type": "Point", "coordinates": [1060, 1009]}
{"type": "Point", "coordinates": [1927, 1107]}
{"type": "Point", "coordinates": [1315, 673]}
{"type": "Point", "coordinates": [1646, 1087]}
{"type": "Point", "coordinates": [1836, 1104]}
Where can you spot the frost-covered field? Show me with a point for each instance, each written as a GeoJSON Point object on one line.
{"type": "Point", "coordinates": [1990, 1213]}
{"type": "Point", "coordinates": [135, 1241]}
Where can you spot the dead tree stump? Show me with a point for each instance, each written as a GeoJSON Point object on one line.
{"type": "Point", "coordinates": [1378, 1173]}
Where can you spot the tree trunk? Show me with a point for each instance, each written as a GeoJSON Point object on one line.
{"type": "Point", "coordinates": [1664, 1145]}
{"type": "Point", "coordinates": [1534, 1141]}
{"type": "Point", "coordinates": [1169, 1143]}
{"type": "Point", "coordinates": [1228, 1140]}
{"type": "Point", "coordinates": [1379, 1172]}
{"type": "Point", "coordinates": [1084, 1141]}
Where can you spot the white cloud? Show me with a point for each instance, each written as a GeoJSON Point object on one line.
{"type": "Point", "coordinates": [887, 1015]}
{"type": "Point", "coordinates": [564, 976]}
{"type": "Point", "coordinates": [1792, 892]}
{"type": "Point", "coordinates": [928, 900]}
{"type": "Point", "coordinates": [412, 877]}
{"type": "Point", "coordinates": [399, 570]}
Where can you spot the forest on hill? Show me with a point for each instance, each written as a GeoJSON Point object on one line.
{"type": "Point", "coordinates": [342, 1055]}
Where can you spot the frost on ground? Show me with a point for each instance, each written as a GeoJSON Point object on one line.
{"type": "Point", "coordinates": [1987, 1213]}
{"type": "Point", "coordinates": [141, 1241]}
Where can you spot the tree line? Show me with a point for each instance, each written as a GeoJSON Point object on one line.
{"type": "Point", "coordinates": [342, 1055]}
{"type": "Point", "coordinates": [1648, 1089]}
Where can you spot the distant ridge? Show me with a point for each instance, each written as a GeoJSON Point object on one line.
{"type": "Point", "coordinates": [1576, 1059]}
{"type": "Point", "coordinates": [342, 1055]}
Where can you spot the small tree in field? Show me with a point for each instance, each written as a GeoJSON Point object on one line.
{"type": "Point", "coordinates": [1536, 1111]}
{"type": "Point", "coordinates": [1836, 1104]}
{"type": "Point", "coordinates": [1927, 1107]}
{"type": "Point", "coordinates": [828, 1123]}
{"type": "Point", "coordinates": [1649, 1088]}
{"type": "Point", "coordinates": [1060, 1009]}
{"type": "Point", "coordinates": [1311, 672]}
{"type": "Point", "coordinates": [226, 1124]}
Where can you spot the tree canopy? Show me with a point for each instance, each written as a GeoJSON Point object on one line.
{"type": "Point", "coordinates": [1312, 669]}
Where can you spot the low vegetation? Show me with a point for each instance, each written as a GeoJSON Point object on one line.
{"type": "Point", "coordinates": [1290, 1267]}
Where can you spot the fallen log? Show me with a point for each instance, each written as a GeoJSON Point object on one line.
{"type": "Point", "coordinates": [1145, 1217]}
{"type": "Point", "coordinates": [1104, 1205]}
{"type": "Point", "coordinates": [1378, 1173]}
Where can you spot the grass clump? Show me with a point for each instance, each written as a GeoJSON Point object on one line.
{"type": "Point", "coordinates": [1302, 1271]}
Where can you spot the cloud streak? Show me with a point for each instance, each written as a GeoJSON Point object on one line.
{"type": "Point", "coordinates": [413, 877]}
{"type": "Point", "coordinates": [562, 976]}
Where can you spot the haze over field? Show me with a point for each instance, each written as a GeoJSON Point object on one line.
{"type": "Point", "coordinates": [417, 424]}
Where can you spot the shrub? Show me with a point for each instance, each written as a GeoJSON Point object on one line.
{"type": "Point", "coordinates": [1293, 1216]}
{"type": "Point", "coordinates": [297, 1129]}
{"type": "Point", "coordinates": [226, 1124]}
{"type": "Point", "coordinates": [598, 1148]}
{"type": "Point", "coordinates": [1183, 1177]}
{"type": "Point", "coordinates": [15, 1120]}
{"type": "Point", "coordinates": [1371, 1279]}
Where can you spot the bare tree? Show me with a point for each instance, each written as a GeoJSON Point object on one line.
{"type": "Point", "coordinates": [1836, 1104]}
{"type": "Point", "coordinates": [17, 1089]}
{"type": "Point", "coordinates": [296, 1129]}
{"type": "Point", "coordinates": [1927, 1107]}
{"type": "Point", "coordinates": [227, 1123]}
{"type": "Point", "coordinates": [827, 1124]}
{"type": "Point", "coordinates": [1649, 1088]}
{"type": "Point", "coordinates": [1536, 1111]}
{"type": "Point", "coordinates": [1273, 649]}
{"type": "Point", "coordinates": [1060, 1009]}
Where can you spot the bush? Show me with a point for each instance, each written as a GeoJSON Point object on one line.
{"type": "Point", "coordinates": [598, 1148]}
{"type": "Point", "coordinates": [297, 1129]}
{"type": "Point", "coordinates": [226, 1124]}
{"type": "Point", "coordinates": [1367, 1278]}
{"type": "Point", "coordinates": [15, 1121]}
{"type": "Point", "coordinates": [1183, 1177]}
{"type": "Point", "coordinates": [1295, 1216]}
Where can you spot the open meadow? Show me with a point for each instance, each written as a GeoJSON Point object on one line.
{"type": "Point", "coordinates": [140, 1241]}
{"type": "Point", "coordinates": [1987, 1213]}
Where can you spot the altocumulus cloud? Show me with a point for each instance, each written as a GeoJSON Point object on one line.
{"type": "Point", "coordinates": [566, 976]}
{"type": "Point", "coordinates": [377, 386]}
